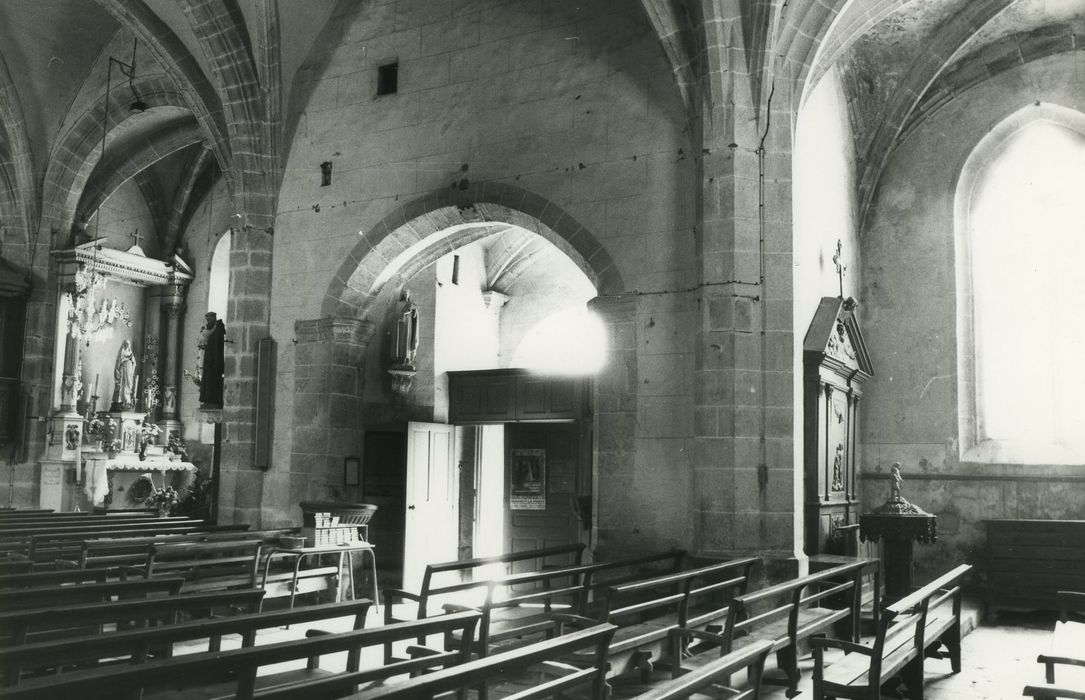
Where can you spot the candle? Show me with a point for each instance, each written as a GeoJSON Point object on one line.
{"type": "Point", "coordinates": [95, 393]}
{"type": "Point", "coordinates": [135, 388]}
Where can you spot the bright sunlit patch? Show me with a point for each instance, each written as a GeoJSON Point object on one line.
{"type": "Point", "coordinates": [1028, 253]}
{"type": "Point", "coordinates": [572, 341]}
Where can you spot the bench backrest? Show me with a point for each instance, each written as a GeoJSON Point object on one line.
{"type": "Point", "coordinates": [133, 551]}
{"type": "Point", "coordinates": [136, 644]}
{"type": "Point", "coordinates": [457, 576]}
{"type": "Point", "coordinates": [38, 579]}
{"type": "Point", "coordinates": [685, 592]}
{"type": "Point", "coordinates": [487, 670]}
{"type": "Point", "coordinates": [207, 565]}
{"type": "Point", "coordinates": [245, 663]}
{"type": "Point", "coordinates": [75, 593]}
{"type": "Point", "coordinates": [789, 598]}
{"type": "Point", "coordinates": [19, 626]}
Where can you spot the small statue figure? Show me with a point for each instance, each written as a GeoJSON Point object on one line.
{"type": "Point", "coordinates": [71, 436]}
{"type": "Point", "coordinates": [405, 334]}
{"type": "Point", "coordinates": [124, 378]}
{"type": "Point", "coordinates": [211, 347]}
{"type": "Point", "coordinates": [894, 486]}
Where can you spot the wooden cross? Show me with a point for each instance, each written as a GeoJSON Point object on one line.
{"type": "Point", "coordinates": [841, 268]}
{"type": "Point", "coordinates": [135, 236]}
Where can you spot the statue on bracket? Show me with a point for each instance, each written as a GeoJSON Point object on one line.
{"type": "Point", "coordinates": [212, 363]}
{"type": "Point", "coordinates": [124, 378]}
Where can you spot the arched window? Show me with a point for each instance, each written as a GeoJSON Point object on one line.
{"type": "Point", "coordinates": [1021, 291]}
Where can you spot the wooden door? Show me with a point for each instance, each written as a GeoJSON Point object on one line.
{"type": "Point", "coordinates": [431, 527]}
{"type": "Point", "coordinates": [543, 465]}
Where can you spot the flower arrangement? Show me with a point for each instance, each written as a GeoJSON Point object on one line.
{"type": "Point", "coordinates": [92, 429]}
{"type": "Point", "coordinates": [164, 499]}
{"type": "Point", "coordinates": [176, 444]}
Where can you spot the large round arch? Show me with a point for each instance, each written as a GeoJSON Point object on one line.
{"type": "Point", "coordinates": [430, 226]}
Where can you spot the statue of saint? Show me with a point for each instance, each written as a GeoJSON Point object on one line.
{"type": "Point", "coordinates": [210, 345]}
{"type": "Point", "coordinates": [405, 333]}
{"type": "Point", "coordinates": [897, 480]}
{"type": "Point", "coordinates": [124, 378]}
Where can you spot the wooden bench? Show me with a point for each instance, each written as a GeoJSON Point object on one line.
{"type": "Point", "coordinates": [48, 622]}
{"type": "Point", "coordinates": [486, 673]}
{"type": "Point", "coordinates": [234, 673]}
{"type": "Point", "coordinates": [142, 644]}
{"type": "Point", "coordinates": [786, 615]}
{"type": "Point", "coordinates": [75, 593]}
{"type": "Point", "coordinates": [39, 579]}
{"type": "Point", "coordinates": [524, 605]}
{"type": "Point", "coordinates": [206, 566]}
{"type": "Point", "coordinates": [716, 672]}
{"type": "Point", "coordinates": [908, 631]}
{"type": "Point", "coordinates": [1067, 653]}
{"type": "Point", "coordinates": [442, 581]}
{"type": "Point", "coordinates": [647, 612]}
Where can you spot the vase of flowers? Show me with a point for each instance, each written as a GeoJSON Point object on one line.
{"type": "Point", "coordinates": [176, 447]}
{"type": "Point", "coordinates": [148, 432]}
{"type": "Point", "coordinates": [164, 500]}
{"type": "Point", "coordinates": [92, 429]}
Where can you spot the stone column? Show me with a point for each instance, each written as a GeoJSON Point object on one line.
{"type": "Point", "coordinates": [172, 301]}
{"type": "Point", "coordinates": [329, 380]}
{"type": "Point", "coordinates": [744, 466]}
{"type": "Point", "coordinates": [241, 483]}
{"type": "Point", "coordinates": [615, 423]}
{"type": "Point", "coordinates": [65, 426]}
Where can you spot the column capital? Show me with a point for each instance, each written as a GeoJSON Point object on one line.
{"type": "Point", "coordinates": [614, 308]}
{"type": "Point", "coordinates": [350, 331]}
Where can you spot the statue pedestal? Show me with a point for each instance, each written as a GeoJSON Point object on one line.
{"type": "Point", "coordinates": [899, 524]}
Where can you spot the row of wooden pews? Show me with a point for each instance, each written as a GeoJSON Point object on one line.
{"type": "Point", "coordinates": [553, 624]}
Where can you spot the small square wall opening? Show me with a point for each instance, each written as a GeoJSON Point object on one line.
{"type": "Point", "coordinates": [388, 79]}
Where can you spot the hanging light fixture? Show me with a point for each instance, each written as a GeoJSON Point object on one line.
{"type": "Point", "coordinates": [88, 318]}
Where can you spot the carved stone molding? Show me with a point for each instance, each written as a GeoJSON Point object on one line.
{"type": "Point", "coordinates": [351, 331]}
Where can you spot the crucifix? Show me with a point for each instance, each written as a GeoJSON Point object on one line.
{"type": "Point", "coordinates": [841, 268]}
{"type": "Point", "coordinates": [135, 236]}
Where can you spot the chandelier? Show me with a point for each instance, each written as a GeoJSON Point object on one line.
{"type": "Point", "coordinates": [91, 318]}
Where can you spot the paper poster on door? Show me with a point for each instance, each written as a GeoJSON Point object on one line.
{"type": "Point", "coordinates": [527, 480]}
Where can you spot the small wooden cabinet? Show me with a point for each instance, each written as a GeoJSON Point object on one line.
{"type": "Point", "coordinates": [835, 367]}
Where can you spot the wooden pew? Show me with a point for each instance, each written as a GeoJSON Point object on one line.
{"type": "Point", "coordinates": [36, 624]}
{"type": "Point", "coordinates": [457, 578]}
{"type": "Point", "coordinates": [484, 674]}
{"type": "Point", "coordinates": [907, 631]}
{"type": "Point", "coordinates": [202, 674]}
{"type": "Point", "coordinates": [787, 614]}
{"type": "Point", "coordinates": [133, 551]}
{"type": "Point", "coordinates": [68, 545]}
{"type": "Point", "coordinates": [1067, 653]}
{"type": "Point", "coordinates": [716, 672]}
{"type": "Point", "coordinates": [97, 592]}
{"type": "Point", "coordinates": [141, 644]}
{"type": "Point", "coordinates": [646, 612]}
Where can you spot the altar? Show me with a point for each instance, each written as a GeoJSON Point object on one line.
{"type": "Point", "coordinates": [114, 435]}
{"type": "Point", "coordinates": [126, 481]}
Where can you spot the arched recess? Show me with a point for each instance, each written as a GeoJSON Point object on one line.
{"type": "Point", "coordinates": [988, 149]}
{"type": "Point", "coordinates": [330, 351]}
{"type": "Point", "coordinates": [425, 228]}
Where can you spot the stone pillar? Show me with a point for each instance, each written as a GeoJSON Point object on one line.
{"type": "Point", "coordinates": [615, 424]}
{"type": "Point", "coordinates": [329, 380]}
{"type": "Point", "coordinates": [65, 425]}
{"type": "Point", "coordinates": [744, 466]}
{"type": "Point", "coordinates": [172, 301]}
{"type": "Point", "coordinates": [241, 484]}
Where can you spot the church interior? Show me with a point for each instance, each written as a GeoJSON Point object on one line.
{"type": "Point", "coordinates": [525, 286]}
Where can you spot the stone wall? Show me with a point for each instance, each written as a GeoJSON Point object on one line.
{"type": "Point", "coordinates": [910, 314]}
{"type": "Point", "coordinates": [573, 104]}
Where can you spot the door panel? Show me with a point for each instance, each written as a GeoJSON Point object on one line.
{"type": "Point", "coordinates": [530, 521]}
{"type": "Point", "coordinates": [431, 526]}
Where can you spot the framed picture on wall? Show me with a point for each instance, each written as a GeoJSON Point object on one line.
{"type": "Point", "coordinates": [527, 480]}
{"type": "Point", "coordinates": [352, 471]}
